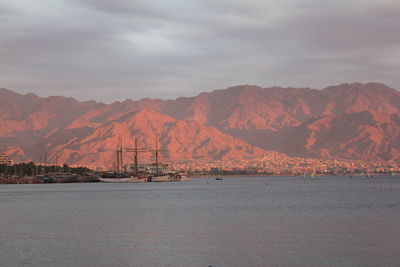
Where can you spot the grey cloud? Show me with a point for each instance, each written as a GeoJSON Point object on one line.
{"type": "Point", "coordinates": [101, 49]}
{"type": "Point", "coordinates": [146, 9]}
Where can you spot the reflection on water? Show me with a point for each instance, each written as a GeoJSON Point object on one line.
{"type": "Point", "coordinates": [247, 221]}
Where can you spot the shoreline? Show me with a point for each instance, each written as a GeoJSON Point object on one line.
{"type": "Point", "coordinates": [34, 180]}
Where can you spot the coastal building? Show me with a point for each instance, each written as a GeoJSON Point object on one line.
{"type": "Point", "coordinates": [4, 160]}
{"type": "Point", "coordinates": [151, 168]}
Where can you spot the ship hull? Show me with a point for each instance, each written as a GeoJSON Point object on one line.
{"type": "Point", "coordinates": [122, 180]}
{"type": "Point", "coordinates": [169, 179]}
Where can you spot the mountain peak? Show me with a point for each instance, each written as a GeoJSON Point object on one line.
{"type": "Point", "coordinates": [7, 93]}
{"type": "Point", "coordinates": [360, 86]}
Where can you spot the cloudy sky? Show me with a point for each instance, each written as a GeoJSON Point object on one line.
{"type": "Point", "coordinates": [112, 50]}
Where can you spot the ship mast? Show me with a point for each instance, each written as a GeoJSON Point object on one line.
{"type": "Point", "coordinates": [136, 151]}
{"type": "Point", "coordinates": [119, 154]}
{"type": "Point", "coordinates": [157, 157]}
{"type": "Point", "coordinates": [136, 159]}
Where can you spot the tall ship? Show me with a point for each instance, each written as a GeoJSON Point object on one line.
{"type": "Point", "coordinates": [139, 173]}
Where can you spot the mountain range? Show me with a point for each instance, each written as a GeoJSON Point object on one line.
{"type": "Point", "coordinates": [347, 121]}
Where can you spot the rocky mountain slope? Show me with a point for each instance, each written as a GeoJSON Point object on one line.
{"type": "Point", "coordinates": [359, 121]}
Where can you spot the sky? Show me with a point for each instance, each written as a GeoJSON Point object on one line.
{"type": "Point", "coordinates": [113, 50]}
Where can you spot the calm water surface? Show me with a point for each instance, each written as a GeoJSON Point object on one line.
{"type": "Point", "coordinates": [245, 221]}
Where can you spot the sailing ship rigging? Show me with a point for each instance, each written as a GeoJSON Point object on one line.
{"type": "Point", "coordinates": [145, 174]}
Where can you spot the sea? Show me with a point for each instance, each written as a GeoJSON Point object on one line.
{"type": "Point", "coordinates": [238, 221]}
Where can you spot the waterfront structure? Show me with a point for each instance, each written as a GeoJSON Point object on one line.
{"type": "Point", "coordinates": [151, 168]}
{"type": "Point", "coordinates": [4, 160]}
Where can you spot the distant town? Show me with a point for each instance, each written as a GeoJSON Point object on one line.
{"type": "Point", "coordinates": [258, 166]}
{"type": "Point", "coordinates": [289, 166]}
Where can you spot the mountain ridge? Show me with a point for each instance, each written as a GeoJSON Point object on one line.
{"type": "Point", "coordinates": [228, 124]}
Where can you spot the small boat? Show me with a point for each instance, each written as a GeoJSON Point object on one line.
{"type": "Point", "coordinates": [218, 178]}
